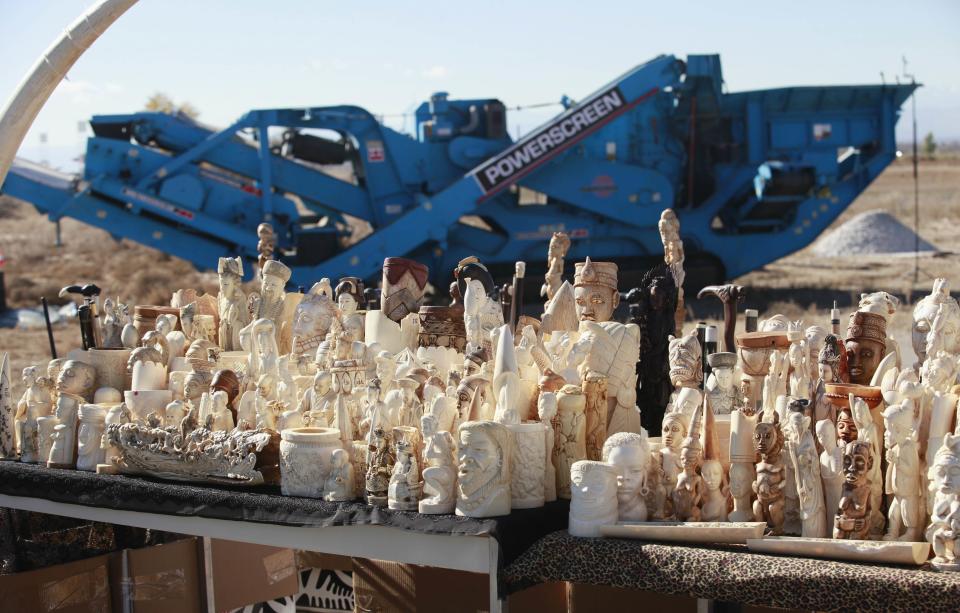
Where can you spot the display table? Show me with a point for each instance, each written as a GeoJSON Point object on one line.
{"type": "Point", "coordinates": [261, 515]}
{"type": "Point", "coordinates": [732, 574]}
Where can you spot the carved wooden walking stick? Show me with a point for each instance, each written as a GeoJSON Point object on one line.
{"type": "Point", "coordinates": [729, 295]}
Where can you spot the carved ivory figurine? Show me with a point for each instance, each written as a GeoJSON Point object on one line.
{"type": "Point", "coordinates": [866, 345]}
{"type": "Point", "coordinates": [35, 403]}
{"type": "Point", "coordinates": [90, 452]}
{"type": "Point", "coordinates": [483, 472]}
{"type": "Point", "coordinates": [686, 364]}
{"type": "Point", "coordinates": [268, 303]}
{"type": "Point", "coordinates": [440, 473]}
{"type": "Point", "coordinates": [570, 445]}
{"type": "Point", "coordinates": [944, 530]}
{"type": "Point", "coordinates": [924, 313]}
{"type": "Point", "coordinates": [312, 320]}
{"type": "Point", "coordinates": [405, 486]}
{"type": "Point", "coordinates": [675, 426]}
{"type": "Point", "coordinates": [688, 490]}
{"type": "Point", "coordinates": [852, 518]}
{"type": "Point", "coordinates": [806, 472]}
{"type": "Point", "coordinates": [594, 500]}
{"type": "Point", "coordinates": [339, 484]}
{"type": "Point", "coordinates": [595, 288]}
{"type": "Point", "coordinates": [481, 315]}
{"type": "Point", "coordinates": [720, 388]}
{"type": "Point", "coordinates": [349, 294]}
{"type": "Point", "coordinates": [379, 467]}
{"type": "Point", "coordinates": [629, 454]}
{"type": "Point", "coordinates": [770, 481]}
{"type": "Point", "coordinates": [559, 245]}
{"type": "Point", "coordinates": [231, 303]}
{"type": "Point", "coordinates": [829, 360]}
{"type": "Point", "coordinates": [903, 473]}
{"type": "Point", "coordinates": [547, 413]}
{"type": "Point", "coordinates": [831, 466]}
{"type": "Point", "coordinates": [74, 383]}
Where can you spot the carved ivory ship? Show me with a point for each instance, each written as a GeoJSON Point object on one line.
{"type": "Point", "coordinates": [237, 457]}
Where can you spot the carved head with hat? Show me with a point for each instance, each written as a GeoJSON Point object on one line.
{"type": "Point", "coordinates": [230, 272]}
{"type": "Point", "coordinates": [866, 345]}
{"type": "Point", "coordinates": [595, 288]}
{"type": "Point", "coordinates": [273, 278]}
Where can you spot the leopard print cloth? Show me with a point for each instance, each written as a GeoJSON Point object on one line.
{"type": "Point", "coordinates": [732, 574]}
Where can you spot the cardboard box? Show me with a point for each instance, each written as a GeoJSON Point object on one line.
{"type": "Point", "coordinates": [75, 587]}
{"type": "Point", "coordinates": [245, 574]}
{"type": "Point", "coordinates": [389, 587]}
{"type": "Point", "coordinates": [159, 579]}
{"type": "Point", "coordinates": [325, 561]}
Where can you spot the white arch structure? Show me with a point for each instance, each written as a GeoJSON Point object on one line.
{"type": "Point", "coordinates": [48, 71]}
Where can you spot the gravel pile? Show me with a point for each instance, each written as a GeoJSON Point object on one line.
{"type": "Point", "coordinates": [873, 232]}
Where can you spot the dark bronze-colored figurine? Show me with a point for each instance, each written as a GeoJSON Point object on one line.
{"type": "Point", "coordinates": [652, 307]}
{"type": "Point", "coordinates": [729, 295]}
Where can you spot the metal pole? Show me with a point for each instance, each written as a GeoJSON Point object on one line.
{"type": "Point", "coordinates": [916, 194]}
{"type": "Point", "coordinates": [46, 317]}
{"type": "Point", "coordinates": [48, 71]}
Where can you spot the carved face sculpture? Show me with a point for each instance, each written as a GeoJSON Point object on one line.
{"type": "Point", "coordinates": [266, 386]}
{"type": "Point", "coordinates": [30, 374]}
{"type": "Point", "coordinates": [480, 457]}
{"type": "Point", "coordinates": [796, 355]}
{"type": "Point", "coordinates": [944, 334]}
{"type": "Point", "coordinates": [674, 431]}
{"type": "Point", "coordinates": [712, 473]}
{"type": "Point", "coordinates": [347, 304]}
{"type": "Point", "coordinates": [898, 424]}
{"type": "Point", "coordinates": [863, 357]}
{"type": "Point", "coordinates": [826, 434]}
{"type": "Point", "coordinates": [595, 290]}
{"type": "Point", "coordinates": [593, 488]}
{"type": "Point", "coordinates": [767, 438]}
{"type": "Point", "coordinates": [195, 384]}
{"type": "Point", "coordinates": [321, 383]}
{"type": "Point", "coordinates": [690, 455]}
{"type": "Point", "coordinates": [857, 462]}
{"type": "Point", "coordinates": [938, 373]}
{"type": "Point", "coordinates": [946, 467]}
{"type": "Point", "coordinates": [428, 425]}
{"type": "Point", "coordinates": [271, 288]}
{"type": "Point", "coordinates": [724, 377]}
{"type": "Point", "coordinates": [846, 427]}
{"type": "Point", "coordinates": [825, 372]}
{"type": "Point", "coordinates": [686, 368]}
{"type": "Point", "coordinates": [629, 454]}
{"type": "Point", "coordinates": [311, 321]}
{"type": "Point", "coordinates": [75, 378]}
{"type": "Point", "coordinates": [547, 406]}
{"type": "Point", "coordinates": [229, 284]}
{"type": "Point", "coordinates": [595, 302]}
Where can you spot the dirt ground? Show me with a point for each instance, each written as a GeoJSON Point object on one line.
{"type": "Point", "coordinates": [801, 286]}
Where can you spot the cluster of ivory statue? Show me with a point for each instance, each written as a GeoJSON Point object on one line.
{"type": "Point", "coordinates": [831, 435]}
{"type": "Point", "coordinates": [475, 408]}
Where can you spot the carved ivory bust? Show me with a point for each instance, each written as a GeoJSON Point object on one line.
{"type": "Point", "coordinates": [686, 366]}
{"type": "Point", "coordinates": [595, 289]}
{"type": "Point", "coordinates": [483, 457]}
{"type": "Point", "coordinates": [594, 497]}
{"type": "Point", "coordinates": [629, 454]}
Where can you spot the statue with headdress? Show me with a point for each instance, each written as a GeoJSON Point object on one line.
{"type": "Point", "coordinates": [231, 303]}
{"type": "Point", "coordinates": [944, 529]}
{"type": "Point", "coordinates": [612, 348]}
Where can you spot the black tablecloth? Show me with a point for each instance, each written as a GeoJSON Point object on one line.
{"type": "Point", "coordinates": [733, 574]}
{"type": "Point", "coordinates": [514, 533]}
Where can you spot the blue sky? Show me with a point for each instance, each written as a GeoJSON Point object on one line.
{"type": "Point", "coordinates": [226, 57]}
